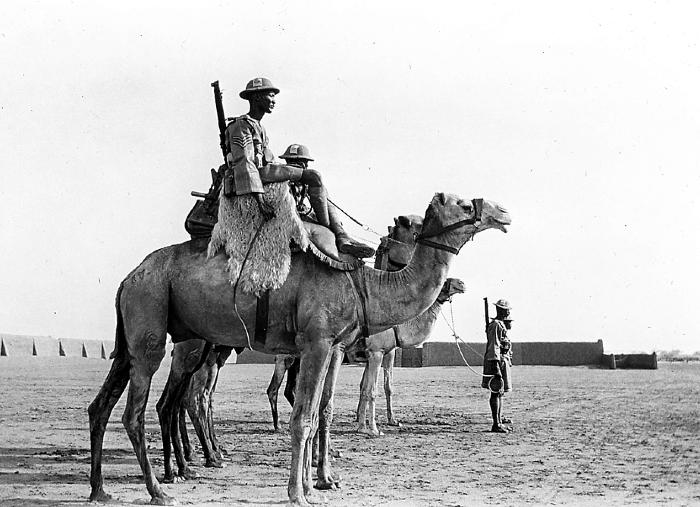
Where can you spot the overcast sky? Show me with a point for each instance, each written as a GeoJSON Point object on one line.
{"type": "Point", "coordinates": [581, 118]}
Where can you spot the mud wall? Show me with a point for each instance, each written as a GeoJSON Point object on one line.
{"type": "Point", "coordinates": [528, 353]}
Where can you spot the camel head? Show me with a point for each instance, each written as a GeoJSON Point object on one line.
{"type": "Point", "coordinates": [451, 287]}
{"type": "Point", "coordinates": [451, 221]}
{"type": "Point", "coordinates": [398, 245]}
{"type": "Point", "coordinates": [406, 228]}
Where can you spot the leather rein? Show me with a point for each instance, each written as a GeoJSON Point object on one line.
{"type": "Point", "coordinates": [422, 237]}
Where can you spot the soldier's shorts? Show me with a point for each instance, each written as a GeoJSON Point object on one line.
{"type": "Point", "coordinates": [272, 173]}
{"type": "Point", "coordinates": [492, 367]}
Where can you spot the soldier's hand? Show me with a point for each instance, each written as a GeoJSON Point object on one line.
{"type": "Point", "coordinates": [266, 209]}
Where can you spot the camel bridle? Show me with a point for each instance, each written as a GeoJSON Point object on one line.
{"type": "Point", "coordinates": [422, 238]}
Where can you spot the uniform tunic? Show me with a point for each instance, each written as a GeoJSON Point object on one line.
{"type": "Point", "coordinates": [497, 357]}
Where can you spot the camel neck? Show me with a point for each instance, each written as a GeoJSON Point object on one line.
{"type": "Point", "coordinates": [395, 297]}
{"type": "Point", "coordinates": [416, 331]}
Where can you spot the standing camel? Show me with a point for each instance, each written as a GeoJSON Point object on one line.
{"type": "Point", "coordinates": [316, 314]}
{"type": "Point", "coordinates": [394, 253]}
{"type": "Point", "coordinates": [381, 349]}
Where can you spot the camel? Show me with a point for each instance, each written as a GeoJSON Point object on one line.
{"type": "Point", "coordinates": [396, 249]}
{"type": "Point", "coordinates": [316, 314]}
{"type": "Point", "coordinates": [381, 349]}
{"type": "Point", "coordinates": [394, 254]}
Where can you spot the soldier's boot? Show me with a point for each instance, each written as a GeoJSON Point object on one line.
{"type": "Point", "coordinates": [343, 242]}
{"type": "Point", "coordinates": [318, 197]}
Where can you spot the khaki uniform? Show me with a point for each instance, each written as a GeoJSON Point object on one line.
{"type": "Point", "coordinates": [251, 159]}
{"type": "Point", "coordinates": [497, 358]}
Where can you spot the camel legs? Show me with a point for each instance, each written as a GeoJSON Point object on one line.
{"type": "Point", "coordinates": [315, 359]}
{"type": "Point", "coordinates": [182, 434]}
{"type": "Point", "coordinates": [360, 401]}
{"type": "Point", "coordinates": [222, 354]}
{"type": "Point", "coordinates": [388, 366]}
{"type": "Point", "coordinates": [281, 366]}
{"type": "Point", "coordinates": [368, 391]}
{"type": "Point", "coordinates": [168, 407]}
{"type": "Point", "coordinates": [325, 479]}
{"type": "Point", "coordinates": [99, 411]}
{"type": "Point", "coordinates": [199, 407]}
{"type": "Point", "coordinates": [292, 372]}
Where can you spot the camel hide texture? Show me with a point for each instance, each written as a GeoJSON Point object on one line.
{"type": "Point", "coordinates": [268, 262]}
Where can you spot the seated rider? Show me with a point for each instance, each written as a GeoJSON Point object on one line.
{"type": "Point", "coordinates": [298, 155]}
{"type": "Point", "coordinates": [251, 164]}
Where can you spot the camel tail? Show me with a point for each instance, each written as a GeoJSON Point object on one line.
{"type": "Point", "coordinates": [119, 340]}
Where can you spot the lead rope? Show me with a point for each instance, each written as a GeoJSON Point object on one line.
{"type": "Point", "coordinates": [364, 227]}
{"type": "Point", "coordinates": [459, 349]}
{"type": "Point", "coordinates": [235, 286]}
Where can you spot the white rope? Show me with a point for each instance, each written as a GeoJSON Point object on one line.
{"type": "Point", "coordinates": [459, 349]}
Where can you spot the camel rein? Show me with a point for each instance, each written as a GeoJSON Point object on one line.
{"type": "Point", "coordinates": [459, 349]}
{"type": "Point", "coordinates": [422, 237]}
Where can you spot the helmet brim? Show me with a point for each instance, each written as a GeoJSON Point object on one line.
{"type": "Point", "coordinates": [247, 93]}
{"type": "Point", "coordinates": [297, 158]}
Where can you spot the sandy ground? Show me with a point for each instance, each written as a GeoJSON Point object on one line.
{"type": "Point", "coordinates": [582, 436]}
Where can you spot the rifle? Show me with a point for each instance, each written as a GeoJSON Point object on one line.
{"type": "Point", "coordinates": [221, 119]}
{"type": "Point", "coordinates": [225, 148]}
{"type": "Point", "coordinates": [486, 311]}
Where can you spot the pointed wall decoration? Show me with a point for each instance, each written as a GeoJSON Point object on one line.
{"type": "Point", "coordinates": [3, 352]}
{"type": "Point", "coordinates": [34, 348]}
{"type": "Point", "coordinates": [84, 352]}
{"type": "Point", "coordinates": [103, 354]}
{"type": "Point", "coordinates": [61, 352]}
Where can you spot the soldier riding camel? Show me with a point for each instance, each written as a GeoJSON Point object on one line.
{"type": "Point", "coordinates": [250, 164]}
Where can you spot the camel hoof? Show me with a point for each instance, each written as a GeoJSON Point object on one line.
{"type": "Point", "coordinates": [188, 474]}
{"type": "Point", "coordinates": [335, 454]}
{"type": "Point", "coordinates": [299, 502]}
{"type": "Point", "coordinates": [394, 422]}
{"type": "Point", "coordinates": [168, 479]}
{"type": "Point", "coordinates": [102, 497]}
{"type": "Point", "coordinates": [214, 464]}
{"type": "Point", "coordinates": [325, 485]}
{"type": "Point", "coordinates": [369, 432]}
{"type": "Point", "coordinates": [163, 500]}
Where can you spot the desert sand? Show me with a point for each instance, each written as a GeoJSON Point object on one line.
{"type": "Point", "coordinates": [582, 436]}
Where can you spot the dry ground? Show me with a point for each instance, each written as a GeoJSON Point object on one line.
{"type": "Point", "coordinates": [582, 436]}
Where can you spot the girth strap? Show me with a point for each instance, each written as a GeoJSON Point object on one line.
{"type": "Point", "coordinates": [357, 280]}
{"type": "Point", "coordinates": [261, 317]}
{"type": "Point", "coordinates": [397, 340]}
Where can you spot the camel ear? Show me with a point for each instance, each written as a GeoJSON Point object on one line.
{"type": "Point", "coordinates": [390, 229]}
{"type": "Point", "coordinates": [405, 221]}
{"type": "Point", "coordinates": [441, 198]}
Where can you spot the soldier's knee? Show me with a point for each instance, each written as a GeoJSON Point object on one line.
{"type": "Point", "coordinates": [312, 178]}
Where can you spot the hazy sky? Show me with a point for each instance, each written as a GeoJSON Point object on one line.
{"type": "Point", "coordinates": [581, 118]}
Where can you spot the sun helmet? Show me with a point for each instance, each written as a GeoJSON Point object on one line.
{"type": "Point", "coordinates": [259, 84]}
{"type": "Point", "coordinates": [297, 152]}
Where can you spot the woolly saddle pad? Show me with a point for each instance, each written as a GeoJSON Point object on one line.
{"type": "Point", "coordinates": [270, 257]}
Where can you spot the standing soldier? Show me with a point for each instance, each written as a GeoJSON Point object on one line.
{"type": "Point", "coordinates": [251, 164]}
{"type": "Point", "coordinates": [497, 363]}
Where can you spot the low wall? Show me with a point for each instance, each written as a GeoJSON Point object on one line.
{"type": "Point", "coordinates": [46, 346]}
{"type": "Point", "coordinates": [527, 353]}
{"type": "Point", "coordinates": [254, 357]}
{"type": "Point", "coordinates": [636, 361]}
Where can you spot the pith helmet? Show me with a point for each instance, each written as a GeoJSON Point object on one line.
{"type": "Point", "coordinates": [259, 84]}
{"type": "Point", "coordinates": [297, 152]}
{"type": "Point", "coordinates": [502, 303]}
